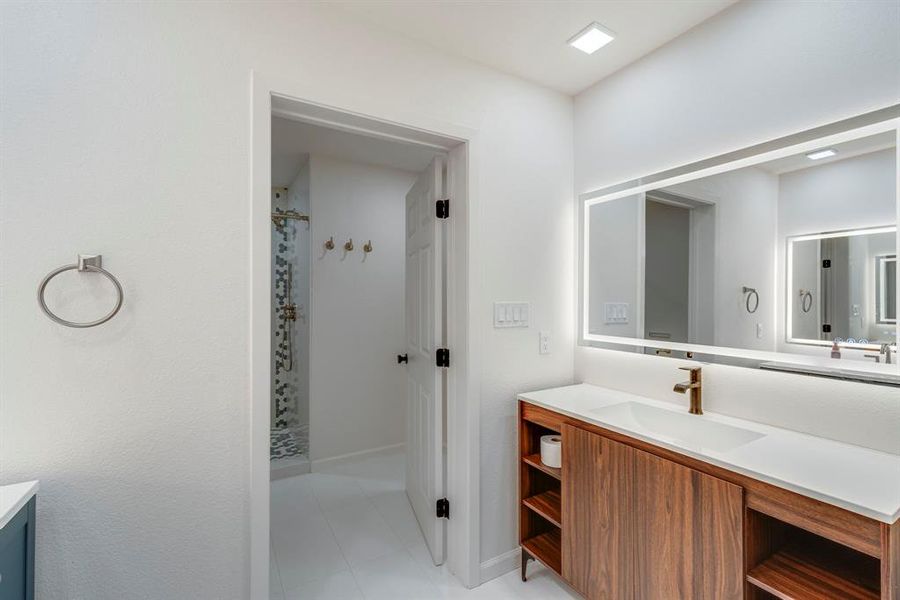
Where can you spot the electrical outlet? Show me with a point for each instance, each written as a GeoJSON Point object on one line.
{"type": "Point", "coordinates": [759, 331]}
{"type": "Point", "coordinates": [544, 342]}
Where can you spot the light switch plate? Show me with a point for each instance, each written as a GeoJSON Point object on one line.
{"type": "Point", "coordinates": [511, 314]}
{"type": "Point", "coordinates": [616, 313]}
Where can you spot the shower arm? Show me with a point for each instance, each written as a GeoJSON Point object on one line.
{"type": "Point", "coordinates": [279, 219]}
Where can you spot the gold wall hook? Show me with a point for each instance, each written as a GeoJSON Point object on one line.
{"type": "Point", "coordinates": [367, 247]}
{"type": "Point", "coordinates": [329, 245]}
{"type": "Point", "coordinates": [348, 246]}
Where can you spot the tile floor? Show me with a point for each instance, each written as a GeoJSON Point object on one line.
{"type": "Point", "coordinates": [348, 533]}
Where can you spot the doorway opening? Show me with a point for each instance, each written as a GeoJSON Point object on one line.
{"type": "Point", "coordinates": [364, 289]}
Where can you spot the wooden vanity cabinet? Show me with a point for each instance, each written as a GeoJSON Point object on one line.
{"type": "Point", "coordinates": [639, 526]}
{"type": "Point", "coordinates": [598, 529]}
{"type": "Point", "coordinates": [623, 519]}
{"type": "Point", "coordinates": [687, 533]}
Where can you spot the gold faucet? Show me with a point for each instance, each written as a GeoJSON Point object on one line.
{"type": "Point", "coordinates": [696, 387]}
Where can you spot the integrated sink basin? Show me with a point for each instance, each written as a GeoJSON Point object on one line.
{"type": "Point", "coordinates": [683, 429]}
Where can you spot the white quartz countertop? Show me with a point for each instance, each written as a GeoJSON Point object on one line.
{"type": "Point", "coordinates": [860, 480]}
{"type": "Point", "coordinates": [13, 497]}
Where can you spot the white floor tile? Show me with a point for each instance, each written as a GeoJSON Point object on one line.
{"type": "Point", "coordinates": [541, 585]}
{"type": "Point", "coordinates": [393, 577]}
{"type": "Point", "coordinates": [350, 533]}
{"type": "Point", "coordinates": [339, 586]}
{"type": "Point", "coordinates": [362, 533]}
{"type": "Point", "coordinates": [276, 592]}
{"type": "Point", "coordinates": [396, 510]}
{"type": "Point", "coordinates": [306, 552]}
{"type": "Point", "coordinates": [335, 491]}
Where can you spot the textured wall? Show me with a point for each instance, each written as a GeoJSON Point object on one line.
{"type": "Point", "coordinates": [124, 130]}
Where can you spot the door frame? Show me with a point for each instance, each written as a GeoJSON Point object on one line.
{"type": "Point", "coordinates": [369, 116]}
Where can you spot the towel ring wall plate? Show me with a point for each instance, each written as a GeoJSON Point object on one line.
{"type": "Point", "coordinates": [86, 262]}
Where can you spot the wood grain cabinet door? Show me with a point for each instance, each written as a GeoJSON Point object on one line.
{"type": "Point", "coordinates": [688, 533]}
{"type": "Point", "coordinates": [596, 515]}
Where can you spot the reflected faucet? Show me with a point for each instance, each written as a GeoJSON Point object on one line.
{"type": "Point", "coordinates": [886, 351]}
{"type": "Point", "coordinates": [696, 387]}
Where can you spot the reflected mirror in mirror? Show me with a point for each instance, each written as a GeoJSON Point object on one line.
{"type": "Point", "coordinates": [735, 259]}
{"type": "Point", "coordinates": [837, 287]}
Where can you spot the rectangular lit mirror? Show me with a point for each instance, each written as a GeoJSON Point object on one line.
{"type": "Point", "coordinates": [761, 257]}
{"type": "Point", "coordinates": [838, 288]}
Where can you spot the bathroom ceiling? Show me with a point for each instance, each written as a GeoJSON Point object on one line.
{"type": "Point", "coordinates": [529, 38]}
{"type": "Point", "coordinates": [294, 141]}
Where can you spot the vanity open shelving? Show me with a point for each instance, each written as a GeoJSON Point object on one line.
{"type": "Point", "coordinates": [540, 496]}
{"type": "Point", "coordinates": [790, 563]}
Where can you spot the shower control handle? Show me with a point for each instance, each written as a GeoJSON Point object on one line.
{"type": "Point", "coordinates": [402, 358]}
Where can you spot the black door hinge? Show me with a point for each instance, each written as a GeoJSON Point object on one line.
{"type": "Point", "coordinates": [442, 357]}
{"type": "Point", "coordinates": [826, 264]}
{"type": "Point", "coordinates": [442, 208]}
{"type": "Point", "coordinates": [443, 509]}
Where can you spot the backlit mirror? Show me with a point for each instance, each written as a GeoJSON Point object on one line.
{"type": "Point", "coordinates": [782, 253]}
{"type": "Point", "coordinates": [842, 287]}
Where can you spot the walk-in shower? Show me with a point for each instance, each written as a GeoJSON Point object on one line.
{"type": "Point", "coordinates": [290, 339]}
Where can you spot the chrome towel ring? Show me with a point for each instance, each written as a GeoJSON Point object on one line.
{"type": "Point", "coordinates": [86, 262]}
{"type": "Point", "coordinates": [806, 300]}
{"type": "Point", "coordinates": [751, 293]}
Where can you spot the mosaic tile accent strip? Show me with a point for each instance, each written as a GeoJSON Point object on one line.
{"type": "Point", "coordinates": [289, 442]}
{"type": "Point", "coordinates": [285, 383]}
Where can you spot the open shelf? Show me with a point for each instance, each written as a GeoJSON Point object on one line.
{"type": "Point", "coordinates": [790, 575]}
{"type": "Point", "coordinates": [546, 548]}
{"type": "Point", "coordinates": [548, 505]}
{"type": "Point", "coordinates": [803, 566]}
{"type": "Point", "coordinates": [534, 460]}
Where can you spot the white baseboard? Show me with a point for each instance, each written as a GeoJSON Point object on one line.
{"type": "Point", "coordinates": [316, 464]}
{"type": "Point", "coordinates": [500, 565]}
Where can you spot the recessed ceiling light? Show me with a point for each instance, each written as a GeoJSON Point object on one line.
{"type": "Point", "coordinates": [821, 154]}
{"type": "Point", "coordinates": [592, 38]}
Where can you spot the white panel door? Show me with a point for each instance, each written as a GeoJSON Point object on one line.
{"type": "Point", "coordinates": [425, 334]}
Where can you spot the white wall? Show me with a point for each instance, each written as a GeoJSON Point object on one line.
{"type": "Point", "coordinates": [746, 210]}
{"type": "Point", "coordinates": [754, 72]}
{"type": "Point", "coordinates": [357, 399]}
{"type": "Point", "coordinates": [125, 131]}
{"type": "Point", "coordinates": [615, 264]}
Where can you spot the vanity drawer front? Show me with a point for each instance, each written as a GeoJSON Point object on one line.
{"type": "Point", "coordinates": [842, 526]}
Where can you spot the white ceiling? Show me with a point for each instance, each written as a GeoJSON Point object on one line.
{"type": "Point", "coordinates": [872, 143]}
{"type": "Point", "coordinates": [294, 141]}
{"type": "Point", "coordinates": [528, 37]}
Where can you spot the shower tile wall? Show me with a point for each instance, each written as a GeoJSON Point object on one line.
{"type": "Point", "coordinates": [290, 247]}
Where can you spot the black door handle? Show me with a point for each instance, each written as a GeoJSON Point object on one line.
{"type": "Point", "coordinates": [402, 358]}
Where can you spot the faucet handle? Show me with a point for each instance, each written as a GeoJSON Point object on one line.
{"type": "Point", "coordinates": [691, 369]}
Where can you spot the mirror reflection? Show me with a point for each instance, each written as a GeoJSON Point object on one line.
{"type": "Point", "coordinates": [782, 256]}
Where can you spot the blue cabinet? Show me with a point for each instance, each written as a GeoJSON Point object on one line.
{"type": "Point", "coordinates": [17, 555]}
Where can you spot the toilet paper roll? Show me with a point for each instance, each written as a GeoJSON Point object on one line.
{"type": "Point", "coordinates": [551, 450]}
